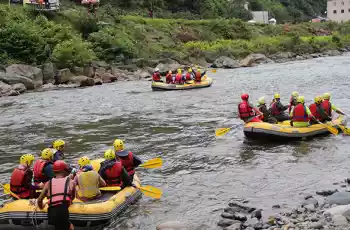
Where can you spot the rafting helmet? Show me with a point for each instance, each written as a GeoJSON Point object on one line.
{"type": "Point", "coordinates": [109, 154]}
{"type": "Point", "coordinates": [170, 72]}
{"type": "Point", "coordinates": [60, 166]}
{"type": "Point", "coordinates": [295, 94]}
{"type": "Point", "coordinates": [190, 70]}
{"type": "Point", "coordinates": [261, 100]}
{"type": "Point", "coordinates": [83, 161]}
{"type": "Point", "coordinates": [26, 159]}
{"type": "Point", "coordinates": [318, 99]}
{"type": "Point", "coordinates": [58, 144]}
{"type": "Point", "coordinates": [179, 70]}
{"type": "Point", "coordinates": [156, 70]}
{"type": "Point", "coordinates": [277, 96]}
{"type": "Point", "coordinates": [47, 154]}
{"type": "Point", "coordinates": [301, 99]}
{"type": "Point", "coordinates": [326, 96]}
{"type": "Point", "coordinates": [245, 97]}
{"type": "Point", "coordinates": [118, 145]}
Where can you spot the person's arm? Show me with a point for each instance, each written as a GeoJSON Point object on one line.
{"type": "Point", "coordinates": [337, 110]}
{"type": "Point", "coordinates": [291, 112]}
{"type": "Point", "coordinates": [137, 161]}
{"type": "Point", "coordinates": [125, 178]}
{"type": "Point", "coordinates": [42, 195]}
{"type": "Point", "coordinates": [101, 182]}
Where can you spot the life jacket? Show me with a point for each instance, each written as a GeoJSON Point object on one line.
{"type": "Point", "coordinates": [59, 192]}
{"type": "Point", "coordinates": [17, 185]}
{"type": "Point", "coordinates": [274, 109]}
{"type": "Point", "coordinates": [156, 76]}
{"type": "Point", "coordinates": [128, 163]}
{"type": "Point", "coordinates": [178, 78]}
{"type": "Point", "coordinates": [299, 113]}
{"type": "Point", "coordinates": [245, 110]}
{"type": "Point", "coordinates": [113, 174]}
{"type": "Point", "coordinates": [169, 78]}
{"type": "Point", "coordinates": [315, 111]}
{"type": "Point", "coordinates": [38, 169]}
{"type": "Point", "coordinates": [88, 184]}
{"type": "Point", "coordinates": [198, 76]}
{"type": "Point", "coordinates": [327, 106]}
{"type": "Point", "coordinates": [188, 76]}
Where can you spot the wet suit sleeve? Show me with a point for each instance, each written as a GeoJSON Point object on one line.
{"type": "Point", "coordinates": [281, 107]}
{"type": "Point", "coordinates": [125, 178]}
{"type": "Point", "coordinates": [137, 161]}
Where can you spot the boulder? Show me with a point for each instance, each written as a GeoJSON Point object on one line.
{"type": "Point", "coordinates": [332, 53]}
{"type": "Point", "coordinates": [19, 87]}
{"type": "Point", "coordinates": [171, 225]}
{"type": "Point", "coordinates": [142, 62]}
{"type": "Point", "coordinates": [143, 74]}
{"type": "Point", "coordinates": [33, 74]}
{"type": "Point", "coordinates": [236, 226]}
{"type": "Point", "coordinates": [89, 71]}
{"type": "Point", "coordinates": [108, 78]}
{"type": "Point", "coordinates": [339, 198]}
{"type": "Point", "coordinates": [164, 68]}
{"type": "Point", "coordinates": [12, 79]}
{"type": "Point", "coordinates": [63, 76]}
{"type": "Point", "coordinates": [167, 61]}
{"type": "Point", "coordinates": [130, 68]}
{"type": "Point", "coordinates": [98, 80]}
{"type": "Point", "coordinates": [48, 73]}
{"type": "Point", "coordinates": [82, 81]}
{"type": "Point", "coordinates": [7, 90]}
{"type": "Point", "coordinates": [281, 57]}
{"type": "Point", "coordinates": [254, 59]}
{"type": "Point", "coordinates": [100, 64]}
{"type": "Point", "coordinates": [225, 62]}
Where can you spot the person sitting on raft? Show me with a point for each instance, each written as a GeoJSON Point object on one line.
{"type": "Point", "coordinates": [293, 100]}
{"type": "Point", "coordinates": [266, 112]}
{"type": "Point", "coordinates": [43, 171]}
{"type": "Point", "coordinates": [21, 178]}
{"type": "Point", "coordinates": [277, 109]}
{"type": "Point", "coordinates": [127, 158]}
{"type": "Point", "coordinates": [300, 115]}
{"type": "Point", "coordinates": [318, 112]}
{"type": "Point", "coordinates": [156, 75]}
{"type": "Point", "coordinates": [247, 112]}
{"type": "Point", "coordinates": [58, 147]}
{"type": "Point", "coordinates": [189, 75]}
{"type": "Point", "coordinates": [179, 79]}
{"type": "Point", "coordinates": [329, 107]}
{"type": "Point", "coordinates": [113, 172]}
{"type": "Point", "coordinates": [198, 75]}
{"type": "Point", "coordinates": [88, 181]}
{"type": "Point", "coordinates": [169, 77]}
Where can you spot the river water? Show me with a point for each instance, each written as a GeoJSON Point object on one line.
{"type": "Point", "coordinates": [201, 173]}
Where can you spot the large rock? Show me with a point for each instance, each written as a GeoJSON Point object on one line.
{"type": "Point", "coordinates": [83, 81]}
{"type": "Point", "coordinates": [34, 74]}
{"type": "Point", "coordinates": [171, 225]}
{"type": "Point", "coordinates": [98, 80]}
{"type": "Point", "coordinates": [12, 79]}
{"type": "Point", "coordinates": [332, 53]}
{"type": "Point", "coordinates": [63, 76]}
{"type": "Point", "coordinates": [108, 78]}
{"type": "Point", "coordinates": [48, 73]}
{"type": "Point", "coordinates": [6, 90]}
{"type": "Point", "coordinates": [225, 62]}
{"type": "Point", "coordinates": [254, 59]}
{"type": "Point", "coordinates": [142, 62]}
{"type": "Point", "coordinates": [19, 87]}
{"type": "Point", "coordinates": [143, 74]}
{"type": "Point", "coordinates": [281, 57]}
{"type": "Point", "coordinates": [99, 64]}
{"type": "Point", "coordinates": [89, 71]}
{"type": "Point", "coordinates": [164, 68]}
{"type": "Point", "coordinates": [339, 198]}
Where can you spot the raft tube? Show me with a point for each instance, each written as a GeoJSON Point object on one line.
{"type": "Point", "coordinates": [206, 82]}
{"type": "Point", "coordinates": [82, 214]}
{"type": "Point", "coordinates": [284, 131]}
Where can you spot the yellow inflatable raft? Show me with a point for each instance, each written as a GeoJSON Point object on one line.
{"type": "Point", "coordinates": [263, 130]}
{"type": "Point", "coordinates": [82, 214]}
{"type": "Point", "coordinates": [206, 82]}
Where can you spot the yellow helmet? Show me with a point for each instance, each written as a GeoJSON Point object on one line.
{"type": "Point", "coordinates": [326, 96]}
{"type": "Point", "coordinates": [118, 145]}
{"type": "Point", "coordinates": [109, 154]}
{"type": "Point", "coordinates": [47, 154]}
{"type": "Point", "coordinates": [277, 96]}
{"type": "Point", "coordinates": [261, 100]}
{"type": "Point", "coordinates": [318, 99]}
{"type": "Point", "coordinates": [26, 159]}
{"type": "Point", "coordinates": [190, 70]}
{"type": "Point", "coordinates": [301, 99]}
{"type": "Point", "coordinates": [295, 94]}
{"type": "Point", "coordinates": [83, 161]}
{"type": "Point", "coordinates": [179, 70]}
{"type": "Point", "coordinates": [57, 144]}
{"type": "Point", "coordinates": [198, 70]}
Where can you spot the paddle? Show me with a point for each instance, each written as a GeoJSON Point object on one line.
{"type": "Point", "coordinates": [7, 190]}
{"type": "Point", "coordinates": [148, 190]}
{"type": "Point", "coordinates": [213, 70]}
{"type": "Point", "coordinates": [222, 131]}
{"type": "Point", "coordinates": [153, 163]}
{"type": "Point", "coordinates": [330, 128]}
{"type": "Point", "coordinates": [345, 130]}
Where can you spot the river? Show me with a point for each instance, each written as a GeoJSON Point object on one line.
{"type": "Point", "coordinates": [201, 173]}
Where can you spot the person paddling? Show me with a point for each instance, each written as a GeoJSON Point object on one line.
{"type": "Point", "coordinates": [247, 112]}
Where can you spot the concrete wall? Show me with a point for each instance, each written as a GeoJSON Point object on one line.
{"type": "Point", "coordinates": [338, 10]}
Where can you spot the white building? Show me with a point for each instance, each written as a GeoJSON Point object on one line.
{"type": "Point", "coordinates": [338, 10]}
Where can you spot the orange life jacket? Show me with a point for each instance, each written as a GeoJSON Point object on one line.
{"type": "Point", "coordinates": [113, 174]}
{"type": "Point", "coordinates": [59, 192]}
{"type": "Point", "coordinates": [17, 183]}
{"type": "Point", "coordinates": [245, 110]}
{"type": "Point", "coordinates": [327, 106]}
{"type": "Point", "coordinates": [128, 163]}
{"type": "Point", "coordinates": [299, 113]}
{"type": "Point", "coordinates": [38, 169]}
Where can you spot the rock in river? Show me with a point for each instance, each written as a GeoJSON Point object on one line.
{"type": "Point", "coordinates": [171, 225]}
{"type": "Point", "coordinates": [227, 215]}
{"type": "Point", "coordinates": [339, 198]}
{"type": "Point", "coordinates": [326, 192]}
{"type": "Point", "coordinates": [316, 225]}
{"type": "Point", "coordinates": [254, 59]}
{"type": "Point", "coordinates": [236, 226]}
{"type": "Point", "coordinates": [31, 77]}
{"type": "Point", "coordinates": [227, 222]}
{"type": "Point", "coordinates": [225, 62]}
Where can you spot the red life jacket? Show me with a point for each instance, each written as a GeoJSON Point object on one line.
{"type": "Point", "coordinates": [38, 169]}
{"type": "Point", "coordinates": [128, 163]}
{"type": "Point", "coordinates": [274, 109]}
{"type": "Point", "coordinates": [188, 76]}
{"type": "Point", "coordinates": [17, 185]}
{"type": "Point", "coordinates": [178, 78]}
{"type": "Point", "coordinates": [245, 110]}
{"type": "Point", "coordinates": [59, 192]}
{"type": "Point", "coordinates": [198, 76]}
{"type": "Point", "coordinates": [299, 113]}
{"type": "Point", "coordinates": [327, 106]}
{"type": "Point", "coordinates": [169, 78]}
{"type": "Point", "coordinates": [156, 76]}
{"type": "Point", "coordinates": [113, 174]}
{"type": "Point", "coordinates": [314, 111]}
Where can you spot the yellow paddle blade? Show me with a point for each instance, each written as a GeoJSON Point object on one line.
{"type": "Point", "coordinates": [153, 163]}
{"type": "Point", "coordinates": [330, 129]}
{"type": "Point", "coordinates": [345, 130]}
{"type": "Point", "coordinates": [190, 82]}
{"type": "Point", "coordinates": [221, 131]}
{"type": "Point", "coordinates": [213, 70]}
{"type": "Point", "coordinates": [150, 191]}
{"type": "Point", "coordinates": [7, 190]}
{"type": "Point", "coordinates": [114, 188]}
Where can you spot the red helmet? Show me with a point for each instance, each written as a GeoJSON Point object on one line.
{"type": "Point", "coordinates": [60, 166]}
{"type": "Point", "coordinates": [245, 97]}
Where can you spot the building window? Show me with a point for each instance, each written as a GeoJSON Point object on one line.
{"type": "Point", "coordinates": [334, 11]}
{"type": "Point", "coordinates": [342, 11]}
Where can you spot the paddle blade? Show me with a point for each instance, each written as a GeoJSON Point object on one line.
{"type": "Point", "coordinates": [345, 130]}
{"type": "Point", "coordinates": [331, 129]}
{"type": "Point", "coordinates": [153, 163]}
{"type": "Point", "coordinates": [113, 188]}
{"type": "Point", "coordinates": [221, 131]}
{"type": "Point", "coordinates": [213, 70]}
{"type": "Point", "coordinates": [150, 191]}
{"type": "Point", "coordinates": [6, 188]}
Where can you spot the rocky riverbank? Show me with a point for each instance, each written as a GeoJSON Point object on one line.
{"type": "Point", "coordinates": [19, 78]}
{"type": "Point", "coordinates": [326, 209]}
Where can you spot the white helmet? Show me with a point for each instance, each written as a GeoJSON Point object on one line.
{"type": "Point", "coordinates": [156, 70]}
